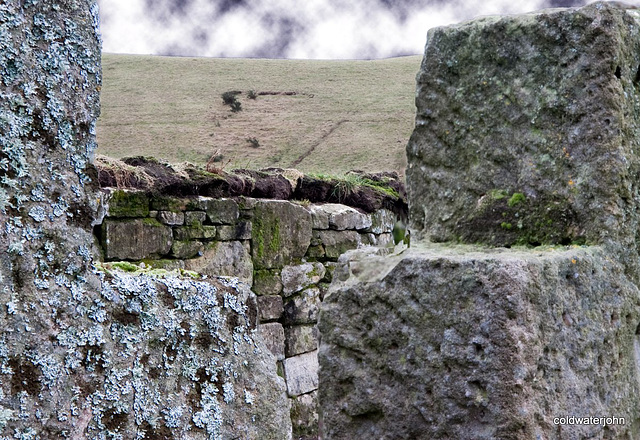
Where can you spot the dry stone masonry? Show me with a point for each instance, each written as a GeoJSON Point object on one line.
{"type": "Point", "coordinates": [527, 133]}
{"type": "Point", "coordinates": [86, 351]}
{"type": "Point", "coordinates": [286, 251]}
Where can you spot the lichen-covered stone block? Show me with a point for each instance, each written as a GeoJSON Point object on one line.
{"type": "Point", "coordinates": [299, 276]}
{"type": "Point", "coordinates": [447, 342]}
{"type": "Point", "coordinates": [319, 217]}
{"type": "Point", "coordinates": [226, 258]}
{"type": "Point", "coordinates": [300, 339]}
{"type": "Point", "coordinates": [273, 335]}
{"type": "Point", "coordinates": [281, 233]}
{"type": "Point", "coordinates": [270, 307]}
{"type": "Point", "coordinates": [303, 308]}
{"type": "Point", "coordinates": [526, 129]}
{"type": "Point", "coordinates": [337, 243]}
{"type": "Point", "coordinates": [125, 203]}
{"type": "Point", "coordinates": [341, 217]}
{"type": "Point", "coordinates": [135, 239]}
{"type": "Point", "coordinates": [239, 231]}
{"type": "Point", "coordinates": [301, 373]}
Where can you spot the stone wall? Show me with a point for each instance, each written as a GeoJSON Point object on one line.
{"type": "Point", "coordinates": [524, 168]}
{"type": "Point", "coordinates": [286, 251]}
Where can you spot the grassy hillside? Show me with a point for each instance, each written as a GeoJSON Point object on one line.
{"type": "Point", "coordinates": [319, 116]}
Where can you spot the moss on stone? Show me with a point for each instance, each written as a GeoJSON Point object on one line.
{"type": "Point", "coordinates": [128, 204]}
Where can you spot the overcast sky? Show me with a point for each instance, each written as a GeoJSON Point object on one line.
{"type": "Point", "coordinates": [305, 29]}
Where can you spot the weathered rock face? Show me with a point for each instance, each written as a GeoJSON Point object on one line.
{"type": "Point", "coordinates": [526, 133]}
{"type": "Point", "coordinates": [446, 342]}
{"type": "Point", "coordinates": [526, 129]}
{"type": "Point", "coordinates": [84, 354]}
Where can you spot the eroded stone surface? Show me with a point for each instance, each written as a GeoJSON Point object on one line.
{"type": "Point", "coordinates": [228, 258]}
{"type": "Point", "coordinates": [444, 343]}
{"type": "Point", "coordinates": [526, 129]}
{"type": "Point", "coordinates": [297, 277]}
{"type": "Point", "coordinates": [301, 373]}
{"type": "Point", "coordinates": [135, 239]}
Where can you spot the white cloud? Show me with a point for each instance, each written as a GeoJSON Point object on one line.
{"type": "Point", "coordinates": [330, 29]}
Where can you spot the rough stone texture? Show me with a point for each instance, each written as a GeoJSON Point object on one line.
{"type": "Point", "coordinates": [84, 354]}
{"type": "Point", "coordinates": [526, 129]}
{"type": "Point", "coordinates": [303, 308]}
{"type": "Point", "coordinates": [342, 217]}
{"type": "Point", "coordinates": [300, 339]}
{"type": "Point", "coordinates": [270, 307]}
{"type": "Point", "coordinates": [170, 218]}
{"type": "Point", "coordinates": [301, 373]}
{"type": "Point", "coordinates": [226, 258]}
{"type": "Point", "coordinates": [135, 239]}
{"type": "Point", "coordinates": [281, 232]}
{"type": "Point", "coordinates": [194, 218]}
{"type": "Point", "coordinates": [220, 211]}
{"type": "Point", "coordinates": [319, 217]}
{"type": "Point", "coordinates": [239, 231]}
{"type": "Point", "coordinates": [304, 414]}
{"type": "Point", "coordinates": [186, 249]}
{"type": "Point", "coordinates": [337, 243]}
{"type": "Point", "coordinates": [297, 277]}
{"type": "Point", "coordinates": [273, 335]}
{"type": "Point", "coordinates": [195, 232]}
{"type": "Point", "coordinates": [445, 343]}
{"type": "Point", "coordinates": [267, 282]}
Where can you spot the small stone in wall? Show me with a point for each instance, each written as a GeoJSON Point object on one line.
{"type": "Point", "coordinates": [295, 278]}
{"type": "Point", "coordinates": [135, 239]}
{"type": "Point", "coordinates": [304, 414]}
{"type": "Point", "coordinates": [195, 232]}
{"type": "Point", "coordinates": [239, 231]}
{"type": "Point", "coordinates": [301, 373]}
{"type": "Point", "coordinates": [319, 217]}
{"type": "Point", "coordinates": [337, 243]}
{"type": "Point", "coordinates": [194, 218]}
{"type": "Point", "coordinates": [303, 308]}
{"type": "Point", "coordinates": [343, 217]}
{"type": "Point", "coordinates": [267, 282]}
{"type": "Point", "coordinates": [300, 339]}
{"type": "Point", "coordinates": [225, 258]}
{"type": "Point", "coordinates": [220, 211]}
{"type": "Point", "coordinates": [186, 249]}
{"type": "Point", "coordinates": [273, 335]}
{"type": "Point", "coordinates": [382, 221]}
{"type": "Point", "coordinates": [170, 218]}
{"type": "Point", "coordinates": [270, 307]}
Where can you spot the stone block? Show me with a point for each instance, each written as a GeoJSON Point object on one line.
{"type": "Point", "coordinates": [319, 217]}
{"type": "Point", "coordinates": [381, 240]}
{"type": "Point", "coordinates": [219, 211]}
{"type": "Point", "coordinates": [224, 258]}
{"type": "Point", "coordinates": [168, 203]}
{"type": "Point", "coordinates": [297, 277]}
{"type": "Point", "coordinates": [195, 218]}
{"type": "Point", "coordinates": [267, 282]}
{"type": "Point", "coordinates": [281, 233]}
{"type": "Point", "coordinates": [186, 249]}
{"type": "Point", "coordinates": [170, 218]}
{"type": "Point", "coordinates": [315, 252]}
{"type": "Point", "coordinates": [523, 133]}
{"type": "Point", "coordinates": [382, 221]}
{"type": "Point", "coordinates": [303, 308]}
{"type": "Point", "coordinates": [135, 239]}
{"type": "Point", "coordinates": [432, 336]}
{"type": "Point", "coordinates": [184, 233]}
{"type": "Point", "coordinates": [273, 335]}
{"type": "Point", "coordinates": [337, 243]}
{"type": "Point", "coordinates": [301, 373]}
{"type": "Point", "coordinates": [300, 339]}
{"type": "Point", "coordinates": [125, 203]}
{"type": "Point", "coordinates": [239, 231]}
{"type": "Point", "coordinates": [343, 217]}
{"type": "Point", "coordinates": [304, 415]}
{"type": "Point", "coordinates": [270, 307]}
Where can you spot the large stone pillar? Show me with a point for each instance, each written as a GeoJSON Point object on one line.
{"type": "Point", "coordinates": [87, 351]}
{"type": "Point", "coordinates": [521, 305]}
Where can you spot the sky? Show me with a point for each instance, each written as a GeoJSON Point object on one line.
{"type": "Point", "coordinates": [296, 29]}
